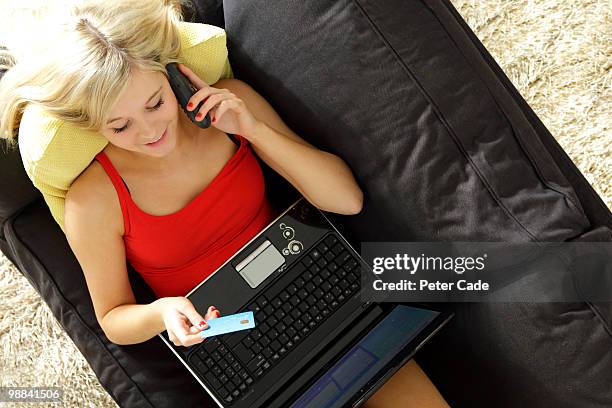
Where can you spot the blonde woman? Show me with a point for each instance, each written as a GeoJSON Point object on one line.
{"type": "Point", "coordinates": [171, 198]}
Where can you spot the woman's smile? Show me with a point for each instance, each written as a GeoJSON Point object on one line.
{"type": "Point", "coordinates": [158, 141]}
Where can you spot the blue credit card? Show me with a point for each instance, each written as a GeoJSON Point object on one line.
{"type": "Point", "coordinates": [229, 324]}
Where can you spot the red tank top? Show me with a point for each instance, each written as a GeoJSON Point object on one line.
{"type": "Point", "coordinates": [175, 252]}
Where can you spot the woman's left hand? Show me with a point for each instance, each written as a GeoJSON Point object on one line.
{"type": "Point", "coordinates": [228, 113]}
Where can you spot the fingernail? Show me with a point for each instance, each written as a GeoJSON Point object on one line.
{"type": "Point", "coordinates": [213, 308]}
{"type": "Point", "coordinates": [190, 105]}
{"type": "Point", "coordinates": [214, 119]}
{"type": "Point", "coordinates": [199, 116]}
{"type": "Point", "coordinates": [203, 323]}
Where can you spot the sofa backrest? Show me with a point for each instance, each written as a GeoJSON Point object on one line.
{"type": "Point", "coordinates": [439, 147]}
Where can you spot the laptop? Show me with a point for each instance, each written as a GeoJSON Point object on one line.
{"type": "Point", "coordinates": [318, 340]}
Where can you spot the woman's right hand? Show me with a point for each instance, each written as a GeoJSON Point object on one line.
{"type": "Point", "coordinates": [182, 320]}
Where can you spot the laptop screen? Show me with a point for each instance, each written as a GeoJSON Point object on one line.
{"type": "Point", "coordinates": [357, 367]}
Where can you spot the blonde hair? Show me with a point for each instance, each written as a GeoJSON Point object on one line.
{"type": "Point", "coordinates": [89, 61]}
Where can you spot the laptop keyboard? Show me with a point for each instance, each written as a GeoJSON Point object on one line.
{"type": "Point", "coordinates": [326, 277]}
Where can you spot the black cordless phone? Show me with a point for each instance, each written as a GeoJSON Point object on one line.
{"type": "Point", "coordinates": [184, 89]}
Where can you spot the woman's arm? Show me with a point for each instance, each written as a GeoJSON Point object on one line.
{"type": "Point", "coordinates": [322, 178]}
{"type": "Point", "coordinates": [94, 229]}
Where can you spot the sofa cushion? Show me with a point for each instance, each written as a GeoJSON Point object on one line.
{"type": "Point", "coordinates": [17, 189]}
{"type": "Point", "coordinates": [141, 375]}
{"type": "Point", "coordinates": [436, 142]}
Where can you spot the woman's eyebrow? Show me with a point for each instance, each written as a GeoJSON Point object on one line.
{"type": "Point", "coordinates": [149, 100]}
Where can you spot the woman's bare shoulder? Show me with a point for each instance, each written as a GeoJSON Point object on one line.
{"type": "Point", "coordinates": [92, 198]}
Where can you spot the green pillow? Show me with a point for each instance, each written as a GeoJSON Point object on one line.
{"type": "Point", "coordinates": [55, 153]}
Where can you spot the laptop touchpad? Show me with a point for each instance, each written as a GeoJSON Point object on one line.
{"type": "Point", "coordinates": [259, 264]}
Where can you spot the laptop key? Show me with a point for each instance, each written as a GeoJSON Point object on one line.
{"type": "Point", "coordinates": [283, 338]}
{"type": "Point", "coordinates": [315, 254]}
{"type": "Point", "coordinates": [272, 321]}
{"type": "Point", "coordinates": [264, 341]}
{"type": "Point", "coordinates": [199, 364]}
{"type": "Point", "coordinates": [272, 333]}
{"type": "Point", "coordinates": [213, 381]}
{"type": "Point", "coordinates": [223, 364]}
{"type": "Point", "coordinates": [323, 261]}
{"type": "Point", "coordinates": [245, 355]}
{"type": "Point", "coordinates": [298, 325]}
{"type": "Point", "coordinates": [262, 300]}
{"type": "Point", "coordinates": [230, 372]}
{"type": "Point", "coordinates": [234, 338]}
{"type": "Point", "coordinates": [291, 289]}
{"type": "Point", "coordinates": [276, 302]}
{"type": "Point", "coordinates": [256, 348]}
{"type": "Point", "coordinates": [248, 342]}
{"type": "Point", "coordinates": [223, 392]}
{"type": "Point", "coordinates": [268, 309]}
{"type": "Point", "coordinates": [330, 240]}
{"type": "Point", "coordinates": [255, 335]}
{"type": "Point", "coordinates": [299, 282]}
{"type": "Point", "coordinates": [237, 380]}
{"type": "Point", "coordinates": [267, 352]}
{"type": "Point", "coordinates": [338, 248]}
{"type": "Point", "coordinates": [243, 374]}
{"type": "Point", "coordinates": [279, 314]}
{"type": "Point", "coordinates": [202, 353]}
{"type": "Point", "coordinates": [256, 363]}
{"type": "Point", "coordinates": [275, 345]}
{"type": "Point", "coordinates": [307, 261]}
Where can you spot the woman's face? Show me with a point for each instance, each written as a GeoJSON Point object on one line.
{"type": "Point", "coordinates": [145, 117]}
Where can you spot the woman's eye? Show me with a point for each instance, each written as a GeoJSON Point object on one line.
{"type": "Point", "coordinates": [120, 129]}
{"type": "Point", "coordinates": [159, 104]}
{"type": "Point", "coordinates": [156, 107]}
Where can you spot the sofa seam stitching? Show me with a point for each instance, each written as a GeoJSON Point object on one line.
{"type": "Point", "coordinates": [445, 124]}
